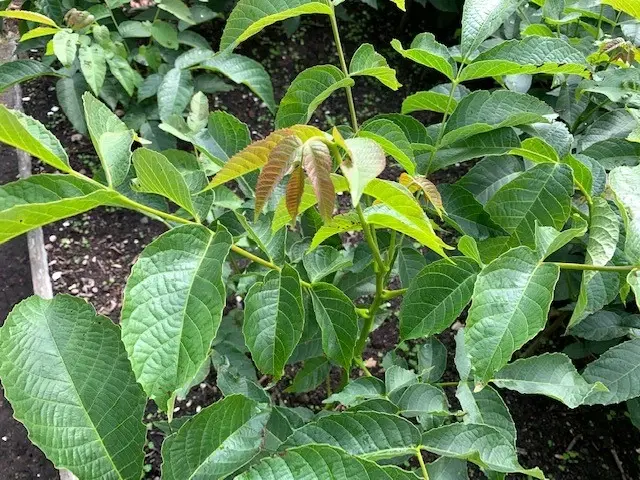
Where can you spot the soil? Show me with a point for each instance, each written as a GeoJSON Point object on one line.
{"type": "Point", "coordinates": [91, 255]}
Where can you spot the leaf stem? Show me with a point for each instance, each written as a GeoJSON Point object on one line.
{"type": "Point", "coordinates": [598, 268]}
{"type": "Point", "coordinates": [373, 245]}
{"type": "Point", "coordinates": [423, 467]}
{"type": "Point", "coordinates": [345, 70]}
{"type": "Point", "coordinates": [390, 294]}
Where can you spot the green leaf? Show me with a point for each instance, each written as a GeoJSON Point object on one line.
{"type": "Point", "coordinates": [480, 444]}
{"type": "Point", "coordinates": [198, 117]}
{"type": "Point", "coordinates": [366, 61]}
{"type": "Point", "coordinates": [216, 442]}
{"type": "Point", "coordinates": [336, 315]}
{"type": "Point", "coordinates": [133, 29]}
{"type": "Point", "coordinates": [62, 361]}
{"type": "Point", "coordinates": [421, 399]}
{"type": "Point", "coordinates": [311, 375]}
{"type": "Point", "coordinates": [494, 142]}
{"type": "Point", "coordinates": [624, 182]}
{"type": "Point", "coordinates": [124, 73]}
{"type": "Point", "coordinates": [392, 139]}
{"type": "Point", "coordinates": [607, 325]}
{"type": "Point", "coordinates": [69, 94]}
{"type": "Point", "coordinates": [165, 34]}
{"type": "Point", "coordinates": [488, 175]}
{"type": "Point", "coordinates": [550, 374]}
{"type": "Point", "coordinates": [338, 224]}
{"type": "Point", "coordinates": [482, 111]}
{"type": "Point", "coordinates": [173, 306]}
{"type": "Point", "coordinates": [511, 301]}
{"type": "Point", "coordinates": [437, 296]}
{"type": "Point", "coordinates": [633, 279]}
{"type": "Point", "coordinates": [466, 214]}
{"type": "Point", "coordinates": [627, 7]}
{"type": "Point", "coordinates": [365, 161]}
{"type": "Point", "coordinates": [251, 16]}
{"type": "Point", "coordinates": [93, 64]}
{"type": "Point", "coordinates": [363, 388]}
{"type": "Point", "coordinates": [486, 407]}
{"type": "Point", "coordinates": [36, 201]}
{"type": "Point", "coordinates": [246, 71]}
{"type": "Point", "coordinates": [20, 71]}
{"type": "Point", "coordinates": [65, 46]}
{"type": "Point", "coordinates": [191, 58]}
{"type": "Point", "coordinates": [178, 9]}
{"type": "Point", "coordinates": [274, 320]}
{"type": "Point", "coordinates": [614, 153]}
{"type": "Point", "coordinates": [324, 261]}
{"type": "Point", "coordinates": [528, 56]}
{"type": "Point", "coordinates": [397, 378]}
{"type": "Point", "coordinates": [436, 100]}
{"type": "Point", "coordinates": [29, 16]}
{"type": "Point", "coordinates": [480, 19]}
{"type": "Point", "coordinates": [541, 194]}
{"type": "Point", "coordinates": [409, 262]}
{"type": "Point", "coordinates": [111, 138]}
{"type": "Point", "coordinates": [446, 468]}
{"type": "Point", "coordinates": [307, 91]}
{"type": "Point", "coordinates": [619, 370]}
{"type": "Point", "coordinates": [23, 132]}
{"type": "Point", "coordinates": [426, 51]}
{"type": "Point", "coordinates": [225, 136]}
{"type": "Point", "coordinates": [156, 174]}
{"type": "Point", "coordinates": [612, 124]}
{"type": "Point", "coordinates": [318, 164]}
{"type": "Point", "coordinates": [604, 232]}
{"type": "Point", "coordinates": [550, 240]}
{"type": "Point", "coordinates": [320, 462]}
{"type": "Point", "coordinates": [432, 360]}
{"type": "Point", "coordinates": [368, 435]}
{"type": "Point", "coordinates": [174, 92]}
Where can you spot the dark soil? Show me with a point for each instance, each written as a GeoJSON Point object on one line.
{"type": "Point", "coordinates": [91, 255]}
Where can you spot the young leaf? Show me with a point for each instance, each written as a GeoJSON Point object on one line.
{"type": "Point", "coordinates": [482, 111]}
{"type": "Point", "coordinates": [392, 140]}
{"type": "Point", "coordinates": [365, 161]}
{"type": "Point", "coordinates": [317, 163]}
{"type": "Point", "coordinates": [311, 375]}
{"type": "Point", "coordinates": [480, 19]}
{"type": "Point", "coordinates": [20, 71]}
{"type": "Point", "coordinates": [36, 201]}
{"type": "Point", "coordinates": [480, 444]}
{"type": "Point", "coordinates": [603, 239]}
{"type": "Point", "coordinates": [246, 71]}
{"type": "Point", "coordinates": [174, 92]}
{"type": "Point", "coordinates": [366, 61]}
{"type": "Point", "coordinates": [307, 91]}
{"type": "Point", "coordinates": [337, 318]}
{"type": "Point", "coordinates": [216, 442]}
{"type": "Point", "coordinates": [511, 300]}
{"type": "Point", "coordinates": [625, 182]}
{"type": "Point", "coordinates": [527, 56]}
{"type": "Point", "coordinates": [438, 99]}
{"type": "Point", "coordinates": [65, 46]}
{"type": "Point", "coordinates": [274, 320]}
{"type": "Point", "coordinates": [23, 132]}
{"type": "Point", "coordinates": [93, 64]}
{"type": "Point", "coordinates": [156, 174]}
{"type": "Point", "coordinates": [170, 317]}
{"type": "Point", "coordinates": [319, 462]}
{"type": "Point", "coordinates": [111, 139]}
{"type": "Point", "coordinates": [346, 222]}
{"type": "Point", "coordinates": [551, 374]}
{"type": "Point", "coordinates": [28, 16]}
{"type": "Point", "coordinates": [295, 191]}
{"type": "Point", "coordinates": [368, 435]}
{"type": "Point", "coordinates": [486, 407]}
{"type": "Point", "coordinates": [541, 194]}
{"type": "Point", "coordinates": [619, 370]}
{"type": "Point", "coordinates": [436, 297]}
{"type": "Point", "coordinates": [198, 112]}
{"type": "Point", "coordinates": [88, 382]}
{"type": "Point", "coordinates": [250, 17]}
{"type": "Point", "coordinates": [280, 160]}
{"type": "Point", "coordinates": [426, 51]}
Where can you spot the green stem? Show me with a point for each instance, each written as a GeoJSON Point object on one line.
{"type": "Point", "coordinates": [423, 467]}
{"type": "Point", "coordinates": [447, 384]}
{"type": "Point", "coordinates": [363, 367]}
{"type": "Point", "coordinates": [600, 20]}
{"type": "Point", "coordinates": [345, 70]}
{"type": "Point", "coordinates": [598, 268]}
{"type": "Point", "coordinates": [366, 229]}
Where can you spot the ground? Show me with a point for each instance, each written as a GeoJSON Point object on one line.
{"type": "Point", "coordinates": [91, 256]}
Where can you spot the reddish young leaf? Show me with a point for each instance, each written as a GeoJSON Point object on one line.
{"type": "Point", "coordinates": [317, 162]}
{"type": "Point", "coordinates": [295, 187]}
{"type": "Point", "coordinates": [280, 160]}
{"type": "Point", "coordinates": [420, 182]}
